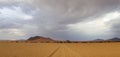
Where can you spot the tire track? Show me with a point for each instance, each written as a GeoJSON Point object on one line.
{"type": "Point", "coordinates": [54, 52]}
{"type": "Point", "coordinates": [66, 51]}
{"type": "Point", "coordinates": [72, 52]}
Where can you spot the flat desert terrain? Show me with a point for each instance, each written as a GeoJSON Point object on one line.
{"type": "Point", "coordinates": [59, 49]}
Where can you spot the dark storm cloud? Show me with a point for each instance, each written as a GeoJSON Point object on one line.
{"type": "Point", "coordinates": [55, 14]}
{"type": "Point", "coordinates": [72, 11]}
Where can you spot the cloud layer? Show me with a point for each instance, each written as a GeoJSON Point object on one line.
{"type": "Point", "coordinates": [60, 19]}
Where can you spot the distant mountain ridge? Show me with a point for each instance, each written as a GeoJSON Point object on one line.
{"type": "Point", "coordinates": [112, 39]}
{"type": "Point", "coordinates": [98, 40]}
{"type": "Point", "coordinates": [47, 39]}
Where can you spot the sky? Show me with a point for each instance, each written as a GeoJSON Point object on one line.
{"type": "Point", "coordinates": [59, 19]}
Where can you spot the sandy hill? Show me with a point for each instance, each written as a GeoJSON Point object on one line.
{"type": "Point", "coordinates": [40, 39]}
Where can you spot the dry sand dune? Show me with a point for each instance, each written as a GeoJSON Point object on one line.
{"type": "Point", "coordinates": [59, 49]}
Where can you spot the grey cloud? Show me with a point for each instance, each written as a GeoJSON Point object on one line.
{"type": "Point", "coordinates": [73, 11]}
{"type": "Point", "coordinates": [115, 27]}
{"type": "Point", "coordinates": [55, 15]}
{"type": "Point", "coordinates": [52, 16]}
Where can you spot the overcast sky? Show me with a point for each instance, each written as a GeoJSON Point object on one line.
{"type": "Point", "coordinates": [60, 19]}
